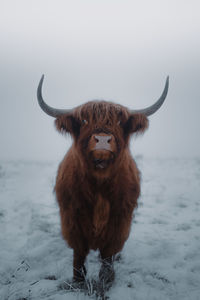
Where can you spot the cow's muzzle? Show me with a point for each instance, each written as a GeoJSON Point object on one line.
{"type": "Point", "coordinates": [102, 148]}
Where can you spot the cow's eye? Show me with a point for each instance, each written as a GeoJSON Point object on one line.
{"type": "Point", "coordinates": [84, 122]}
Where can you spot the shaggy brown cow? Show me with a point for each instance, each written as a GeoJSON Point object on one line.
{"type": "Point", "coordinates": [98, 182]}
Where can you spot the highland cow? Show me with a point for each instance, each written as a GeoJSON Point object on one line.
{"type": "Point", "coordinates": [98, 182]}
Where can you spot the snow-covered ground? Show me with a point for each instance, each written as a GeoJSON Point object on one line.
{"type": "Point", "coordinates": [161, 259]}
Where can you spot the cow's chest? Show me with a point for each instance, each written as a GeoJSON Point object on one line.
{"type": "Point", "coordinates": [101, 213]}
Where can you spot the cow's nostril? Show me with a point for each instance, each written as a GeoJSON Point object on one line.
{"type": "Point", "coordinates": [96, 139]}
{"type": "Point", "coordinates": [109, 140]}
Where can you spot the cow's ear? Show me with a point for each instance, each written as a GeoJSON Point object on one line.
{"type": "Point", "coordinates": [68, 123]}
{"type": "Point", "coordinates": [137, 123]}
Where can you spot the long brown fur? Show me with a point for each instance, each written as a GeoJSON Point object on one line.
{"type": "Point", "coordinates": [96, 206]}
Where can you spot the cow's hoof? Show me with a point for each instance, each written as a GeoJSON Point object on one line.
{"type": "Point", "coordinates": [106, 275]}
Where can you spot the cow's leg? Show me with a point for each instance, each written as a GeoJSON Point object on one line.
{"type": "Point", "coordinates": [72, 233]}
{"type": "Point", "coordinates": [79, 270]}
{"type": "Point", "coordinates": [106, 273]}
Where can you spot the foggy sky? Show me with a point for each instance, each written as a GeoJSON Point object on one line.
{"type": "Point", "coordinates": [109, 49]}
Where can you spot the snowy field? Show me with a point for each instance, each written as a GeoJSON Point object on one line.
{"type": "Point", "coordinates": [161, 259]}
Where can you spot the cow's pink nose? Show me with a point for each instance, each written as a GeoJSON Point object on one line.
{"type": "Point", "coordinates": [103, 139]}
{"type": "Point", "coordinates": [102, 142]}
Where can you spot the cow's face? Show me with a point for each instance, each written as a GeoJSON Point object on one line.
{"type": "Point", "coordinates": [101, 132]}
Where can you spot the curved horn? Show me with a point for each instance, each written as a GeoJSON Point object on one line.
{"type": "Point", "coordinates": [153, 108]}
{"type": "Point", "coordinates": [53, 112]}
